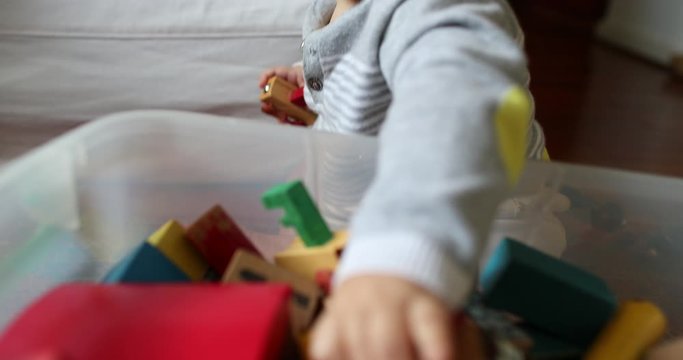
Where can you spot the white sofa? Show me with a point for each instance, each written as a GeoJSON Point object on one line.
{"type": "Point", "coordinates": [63, 62]}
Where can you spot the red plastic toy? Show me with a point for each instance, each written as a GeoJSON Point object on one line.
{"type": "Point", "coordinates": [91, 321]}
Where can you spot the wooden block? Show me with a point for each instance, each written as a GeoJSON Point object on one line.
{"type": "Point", "coordinates": [246, 267]}
{"type": "Point", "coordinates": [672, 350]}
{"type": "Point", "coordinates": [636, 326]}
{"type": "Point", "coordinates": [171, 241]}
{"type": "Point", "coordinates": [301, 212]}
{"type": "Point", "coordinates": [145, 264]}
{"type": "Point", "coordinates": [217, 237]}
{"type": "Point", "coordinates": [277, 93]}
{"type": "Point", "coordinates": [193, 321]}
{"type": "Point", "coordinates": [553, 296]}
{"type": "Point", "coordinates": [307, 261]}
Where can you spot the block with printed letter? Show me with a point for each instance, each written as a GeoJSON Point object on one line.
{"type": "Point", "coordinates": [145, 264]}
{"type": "Point", "coordinates": [216, 236]}
{"type": "Point", "coordinates": [192, 321]}
{"type": "Point", "coordinates": [170, 239]}
{"type": "Point", "coordinates": [246, 267]}
{"type": "Point", "coordinates": [309, 260]}
{"type": "Point", "coordinates": [550, 295]}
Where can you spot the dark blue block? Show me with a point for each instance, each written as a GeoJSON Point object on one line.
{"type": "Point", "coordinates": [146, 264]}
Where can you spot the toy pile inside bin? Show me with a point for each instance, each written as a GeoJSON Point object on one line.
{"type": "Point", "coordinates": [205, 292]}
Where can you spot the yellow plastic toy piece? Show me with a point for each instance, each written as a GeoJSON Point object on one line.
{"type": "Point", "coordinates": [170, 240]}
{"type": "Point", "coordinates": [306, 261]}
{"type": "Point", "coordinates": [636, 326]}
{"type": "Point", "coordinates": [512, 123]}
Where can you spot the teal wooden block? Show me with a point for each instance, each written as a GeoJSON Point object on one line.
{"type": "Point", "coordinates": [146, 264]}
{"type": "Point", "coordinates": [551, 295]}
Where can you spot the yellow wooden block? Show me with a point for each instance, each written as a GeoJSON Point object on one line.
{"type": "Point", "coordinates": [306, 261]}
{"type": "Point", "coordinates": [277, 92]}
{"type": "Point", "coordinates": [170, 240]}
{"type": "Point", "coordinates": [636, 326]}
{"type": "Point", "coordinates": [512, 123]}
{"type": "Point", "coordinates": [247, 267]}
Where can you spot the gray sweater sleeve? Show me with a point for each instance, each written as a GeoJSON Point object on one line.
{"type": "Point", "coordinates": [440, 174]}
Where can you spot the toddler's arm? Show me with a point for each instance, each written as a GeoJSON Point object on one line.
{"type": "Point", "coordinates": [421, 227]}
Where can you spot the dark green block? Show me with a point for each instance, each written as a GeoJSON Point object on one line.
{"type": "Point", "coordinates": [551, 295]}
{"type": "Point", "coordinates": [547, 347]}
{"type": "Point", "coordinates": [146, 264]}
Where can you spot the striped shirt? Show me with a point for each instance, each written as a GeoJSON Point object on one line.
{"type": "Point", "coordinates": [426, 77]}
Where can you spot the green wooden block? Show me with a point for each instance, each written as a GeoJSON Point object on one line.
{"type": "Point", "coordinates": [300, 212]}
{"type": "Point", "coordinates": [551, 295]}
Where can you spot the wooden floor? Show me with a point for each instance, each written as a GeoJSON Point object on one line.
{"type": "Point", "coordinates": [627, 114]}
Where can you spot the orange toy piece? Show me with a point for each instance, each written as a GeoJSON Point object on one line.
{"type": "Point", "coordinates": [283, 100]}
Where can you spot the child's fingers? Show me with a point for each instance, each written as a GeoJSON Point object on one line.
{"type": "Point", "coordinates": [355, 342]}
{"type": "Point", "coordinates": [292, 76]}
{"type": "Point", "coordinates": [430, 330]}
{"type": "Point", "coordinates": [265, 76]}
{"type": "Point", "coordinates": [325, 344]}
{"type": "Point", "coordinates": [388, 337]}
{"type": "Point", "coordinates": [300, 76]}
{"type": "Point", "coordinates": [280, 71]}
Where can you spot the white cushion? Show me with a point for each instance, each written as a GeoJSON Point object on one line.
{"type": "Point", "coordinates": [79, 59]}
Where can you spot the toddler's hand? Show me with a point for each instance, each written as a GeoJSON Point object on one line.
{"type": "Point", "coordinates": [383, 317]}
{"type": "Point", "coordinates": [293, 74]}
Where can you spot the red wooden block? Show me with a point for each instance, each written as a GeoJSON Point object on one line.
{"type": "Point", "coordinates": [324, 280]}
{"type": "Point", "coordinates": [94, 321]}
{"type": "Point", "coordinates": [296, 97]}
{"type": "Point", "coordinates": [217, 237]}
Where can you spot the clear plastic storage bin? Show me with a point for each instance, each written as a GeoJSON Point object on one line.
{"type": "Point", "coordinates": [72, 208]}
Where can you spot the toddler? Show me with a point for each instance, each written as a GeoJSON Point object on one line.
{"type": "Point", "coordinates": [427, 77]}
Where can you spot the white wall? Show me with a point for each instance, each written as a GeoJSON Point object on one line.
{"type": "Point", "coordinates": [652, 28]}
